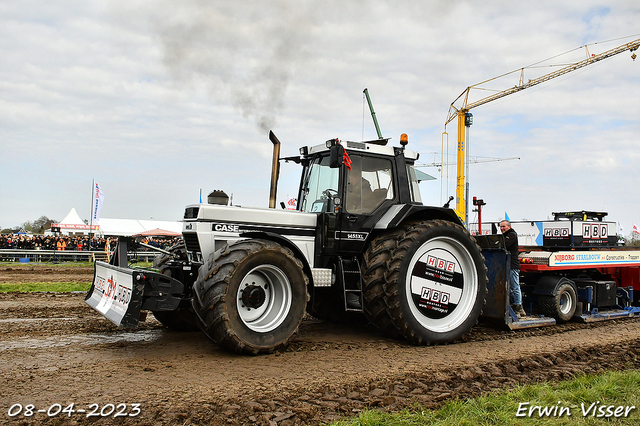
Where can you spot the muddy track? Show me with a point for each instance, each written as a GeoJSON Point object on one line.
{"type": "Point", "coordinates": [55, 349]}
{"type": "Point", "coordinates": [45, 273]}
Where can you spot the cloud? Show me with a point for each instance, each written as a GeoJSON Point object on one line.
{"type": "Point", "coordinates": [243, 55]}
{"type": "Point", "coordinates": [157, 100]}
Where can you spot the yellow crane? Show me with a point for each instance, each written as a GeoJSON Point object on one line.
{"type": "Point", "coordinates": [465, 119]}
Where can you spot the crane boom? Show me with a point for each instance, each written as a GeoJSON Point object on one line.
{"type": "Point", "coordinates": [373, 114]}
{"type": "Point", "coordinates": [631, 46]}
{"type": "Point", "coordinates": [463, 115]}
{"type": "Point", "coordinates": [472, 159]}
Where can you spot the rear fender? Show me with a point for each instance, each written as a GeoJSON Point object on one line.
{"type": "Point", "coordinates": [400, 213]}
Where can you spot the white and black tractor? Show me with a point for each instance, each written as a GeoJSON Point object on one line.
{"type": "Point", "coordinates": [360, 243]}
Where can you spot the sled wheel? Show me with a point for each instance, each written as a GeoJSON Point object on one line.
{"type": "Point", "coordinates": [562, 306]}
{"type": "Point", "coordinates": [374, 267]}
{"type": "Point", "coordinates": [183, 318]}
{"type": "Point", "coordinates": [251, 296]}
{"type": "Point", "coordinates": [436, 281]}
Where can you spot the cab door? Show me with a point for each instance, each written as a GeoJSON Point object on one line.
{"type": "Point", "coordinates": [368, 187]}
{"type": "Point", "coordinates": [319, 193]}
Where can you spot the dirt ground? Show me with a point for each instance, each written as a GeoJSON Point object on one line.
{"type": "Point", "coordinates": [44, 273]}
{"type": "Point", "coordinates": [56, 350]}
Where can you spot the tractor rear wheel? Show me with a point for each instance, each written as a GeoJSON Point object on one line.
{"type": "Point", "coordinates": [374, 268]}
{"type": "Point", "coordinates": [183, 318]}
{"type": "Point", "coordinates": [435, 283]}
{"type": "Point", "coordinates": [251, 296]}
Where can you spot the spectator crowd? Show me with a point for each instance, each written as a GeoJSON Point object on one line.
{"type": "Point", "coordinates": [64, 242]}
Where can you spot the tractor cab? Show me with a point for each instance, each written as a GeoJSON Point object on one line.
{"type": "Point", "coordinates": [351, 185]}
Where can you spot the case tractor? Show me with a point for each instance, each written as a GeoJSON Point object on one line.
{"type": "Point", "coordinates": [361, 243]}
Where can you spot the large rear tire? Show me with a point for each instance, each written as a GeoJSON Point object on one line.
{"type": "Point", "coordinates": [435, 283]}
{"type": "Point", "coordinates": [251, 296]}
{"type": "Point", "coordinates": [375, 266]}
{"type": "Point", "coordinates": [183, 318]}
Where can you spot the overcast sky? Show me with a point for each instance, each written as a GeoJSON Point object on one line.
{"type": "Point", "coordinates": [156, 100]}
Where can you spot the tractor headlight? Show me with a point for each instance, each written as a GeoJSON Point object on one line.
{"type": "Point", "coordinates": [331, 142]}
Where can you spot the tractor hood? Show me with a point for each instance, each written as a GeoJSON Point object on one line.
{"type": "Point", "coordinates": [242, 216]}
{"type": "Point", "coordinates": [208, 227]}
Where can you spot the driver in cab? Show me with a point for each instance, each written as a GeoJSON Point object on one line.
{"type": "Point", "coordinates": [359, 193]}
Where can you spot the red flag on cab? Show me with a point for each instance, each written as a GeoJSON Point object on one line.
{"type": "Point", "coordinates": [346, 160]}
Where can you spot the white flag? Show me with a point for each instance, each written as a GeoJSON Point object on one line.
{"type": "Point", "coordinates": [291, 203]}
{"type": "Point", "coordinates": [636, 230]}
{"type": "Point", "coordinates": [98, 198]}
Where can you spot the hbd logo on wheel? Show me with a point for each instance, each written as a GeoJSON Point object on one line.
{"type": "Point", "coordinates": [435, 296]}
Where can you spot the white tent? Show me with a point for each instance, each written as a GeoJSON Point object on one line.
{"type": "Point", "coordinates": [128, 227]}
{"type": "Point", "coordinates": [72, 218]}
{"type": "Point", "coordinates": [72, 223]}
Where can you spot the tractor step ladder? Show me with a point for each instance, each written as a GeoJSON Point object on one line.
{"type": "Point", "coordinates": [351, 284]}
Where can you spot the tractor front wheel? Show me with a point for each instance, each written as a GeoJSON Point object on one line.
{"type": "Point", "coordinates": [251, 296]}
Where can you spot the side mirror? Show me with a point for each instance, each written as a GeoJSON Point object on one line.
{"type": "Point", "coordinates": [336, 155]}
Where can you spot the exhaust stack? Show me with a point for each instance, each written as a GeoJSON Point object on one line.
{"type": "Point", "coordinates": [275, 169]}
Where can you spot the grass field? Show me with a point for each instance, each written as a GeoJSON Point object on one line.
{"type": "Point", "coordinates": [61, 287]}
{"type": "Point", "coordinates": [50, 287]}
{"type": "Point", "coordinates": [607, 399]}
{"type": "Point", "coordinates": [50, 264]}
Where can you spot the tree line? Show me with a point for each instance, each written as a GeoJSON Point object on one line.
{"type": "Point", "coordinates": [37, 226]}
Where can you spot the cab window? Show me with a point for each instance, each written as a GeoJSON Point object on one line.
{"type": "Point", "coordinates": [369, 184]}
{"type": "Point", "coordinates": [320, 186]}
{"type": "Point", "coordinates": [414, 183]}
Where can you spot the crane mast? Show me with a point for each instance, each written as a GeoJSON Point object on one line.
{"type": "Point", "coordinates": [465, 118]}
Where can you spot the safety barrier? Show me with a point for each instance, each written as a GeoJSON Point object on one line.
{"type": "Point", "coordinates": [25, 256]}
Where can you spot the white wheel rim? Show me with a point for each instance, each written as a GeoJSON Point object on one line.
{"type": "Point", "coordinates": [277, 303]}
{"type": "Point", "coordinates": [566, 303]}
{"type": "Point", "coordinates": [433, 298]}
